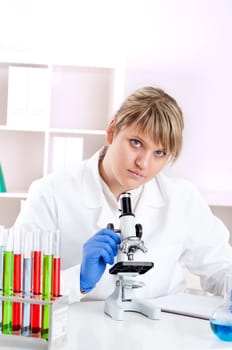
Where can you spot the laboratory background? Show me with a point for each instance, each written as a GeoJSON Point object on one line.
{"type": "Point", "coordinates": [65, 66]}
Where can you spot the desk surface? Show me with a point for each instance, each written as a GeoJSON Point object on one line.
{"type": "Point", "coordinates": [91, 329]}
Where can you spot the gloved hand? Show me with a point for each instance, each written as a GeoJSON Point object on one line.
{"type": "Point", "coordinates": [98, 251]}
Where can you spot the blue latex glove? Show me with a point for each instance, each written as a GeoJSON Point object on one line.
{"type": "Point", "coordinates": [98, 251]}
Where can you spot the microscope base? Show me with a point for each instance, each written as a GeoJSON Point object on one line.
{"type": "Point", "coordinates": [122, 299]}
{"type": "Point", "coordinates": [116, 311]}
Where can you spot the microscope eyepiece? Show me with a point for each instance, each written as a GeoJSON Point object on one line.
{"type": "Point", "coordinates": [125, 200]}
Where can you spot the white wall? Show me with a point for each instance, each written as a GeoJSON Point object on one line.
{"type": "Point", "coordinates": [183, 46]}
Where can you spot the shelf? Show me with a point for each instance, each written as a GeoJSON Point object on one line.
{"type": "Point", "coordinates": [22, 195]}
{"type": "Point", "coordinates": [21, 155]}
{"type": "Point", "coordinates": [53, 112]}
{"type": "Point", "coordinates": [54, 130]}
{"type": "Point", "coordinates": [76, 131]}
{"type": "Point", "coordinates": [7, 128]}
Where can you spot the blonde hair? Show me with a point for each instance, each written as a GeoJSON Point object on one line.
{"type": "Point", "coordinates": [157, 115]}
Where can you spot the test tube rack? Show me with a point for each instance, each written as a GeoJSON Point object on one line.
{"type": "Point", "coordinates": [58, 325]}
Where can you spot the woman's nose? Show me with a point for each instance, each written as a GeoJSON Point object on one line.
{"type": "Point", "coordinates": [143, 160]}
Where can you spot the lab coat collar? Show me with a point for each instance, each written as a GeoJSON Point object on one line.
{"type": "Point", "coordinates": [153, 194]}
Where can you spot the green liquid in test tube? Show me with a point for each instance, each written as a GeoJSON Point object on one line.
{"type": "Point", "coordinates": [8, 284]}
{"type": "Point", "coordinates": [46, 281]}
{"type": "Point", "coordinates": [1, 282]}
{"type": "Point", "coordinates": [3, 238]}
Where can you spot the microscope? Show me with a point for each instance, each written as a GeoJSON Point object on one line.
{"type": "Point", "coordinates": [128, 268]}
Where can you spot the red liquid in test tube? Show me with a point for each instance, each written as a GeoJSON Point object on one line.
{"type": "Point", "coordinates": [17, 285]}
{"type": "Point", "coordinates": [36, 286]}
{"type": "Point", "coordinates": [56, 267]}
{"type": "Point", "coordinates": [56, 277]}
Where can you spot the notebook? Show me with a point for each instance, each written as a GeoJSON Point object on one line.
{"type": "Point", "coordinates": [193, 305]}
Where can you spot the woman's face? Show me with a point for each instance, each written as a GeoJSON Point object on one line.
{"type": "Point", "coordinates": [131, 159]}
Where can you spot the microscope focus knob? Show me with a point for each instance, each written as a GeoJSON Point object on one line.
{"type": "Point", "coordinates": [139, 230]}
{"type": "Point", "coordinates": [110, 226]}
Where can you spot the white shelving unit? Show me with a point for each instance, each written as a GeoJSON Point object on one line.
{"type": "Point", "coordinates": [82, 99]}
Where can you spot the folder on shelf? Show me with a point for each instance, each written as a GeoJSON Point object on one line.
{"type": "Point", "coordinates": [28, 97]}
{"type": "Point", "coordinates": [39, 88]}
{"type": "Point", "coordinates": [2, 181]}
{"type": "Point", "coordinates": [194, 305]}
{"type": "Point", "coordinates": [66, 151]}
{"type": "Point", "coordinates": [17, 97]}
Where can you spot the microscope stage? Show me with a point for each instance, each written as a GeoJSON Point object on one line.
{"type": "Point", "coordinates": [139, 267]}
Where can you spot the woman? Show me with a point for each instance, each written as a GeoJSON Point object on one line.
{"type": "Point", "coordinates": [178, 226]}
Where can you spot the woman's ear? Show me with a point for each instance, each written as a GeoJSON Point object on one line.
{"type": "Point", "coordinates": [110, 132]}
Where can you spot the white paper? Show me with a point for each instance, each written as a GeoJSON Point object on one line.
{"type": "Point", "coordinates": [194, 305]}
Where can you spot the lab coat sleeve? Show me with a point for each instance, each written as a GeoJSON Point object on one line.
{"type": "Point", "coordinates": [70, 285]}
{"type": "Point", "coordinates": [208, 253]}
{"type": "Point", "coordinates": [39, 213]}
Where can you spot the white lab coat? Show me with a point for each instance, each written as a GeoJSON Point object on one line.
{"type": "Point", "coordinates": [178, 229]}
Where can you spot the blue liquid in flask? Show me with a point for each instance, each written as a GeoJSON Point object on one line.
{"type": "Point", "coordinates": [222, 330]}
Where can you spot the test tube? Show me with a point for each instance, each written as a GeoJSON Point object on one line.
{"type": "Point", "coordinates": [27, 274]}
{"type": "Point", "coordinates": [3, 238]}
{"type": "Point", "coordinates": [8, 269]}
{"type": "Point", "coordinates": [17, 282]}
{"type": "Point", "coordinates": [47, 281]}
{"type": "Point", "coordinates": [56, 266]}
{"type": "Point", "coordinates": [36, 285]}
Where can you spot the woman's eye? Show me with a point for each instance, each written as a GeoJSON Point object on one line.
{"type": "Point", "coordinates": [135, 143]}
{"type": "Point", "coordinates": [160, 153]}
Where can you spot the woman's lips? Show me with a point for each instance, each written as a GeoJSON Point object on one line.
{"type": "Point", "coordinates": [136, 174]}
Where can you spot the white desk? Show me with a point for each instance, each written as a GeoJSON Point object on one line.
{"type": "Point", "coordinates": [91, 329]}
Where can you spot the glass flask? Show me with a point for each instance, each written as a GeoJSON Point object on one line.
{"type": "Point", "coordinates": [221, 320]}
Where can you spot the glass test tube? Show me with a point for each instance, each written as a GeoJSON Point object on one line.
{"type": "Point", "coordinates": [36, 285]}
{"type": "Point", "coordinates": [8, 267]}
{"type": "Point", "coordinates": [17, 282]}
{"type": "Point", "coordinates": [27, 274]}
{"type": "Point", "coordinates": [56, 267]}
{"type": "Point", "coordinates": [3, 239]}
{"type": "Point", "coordinates": [47, 281]}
